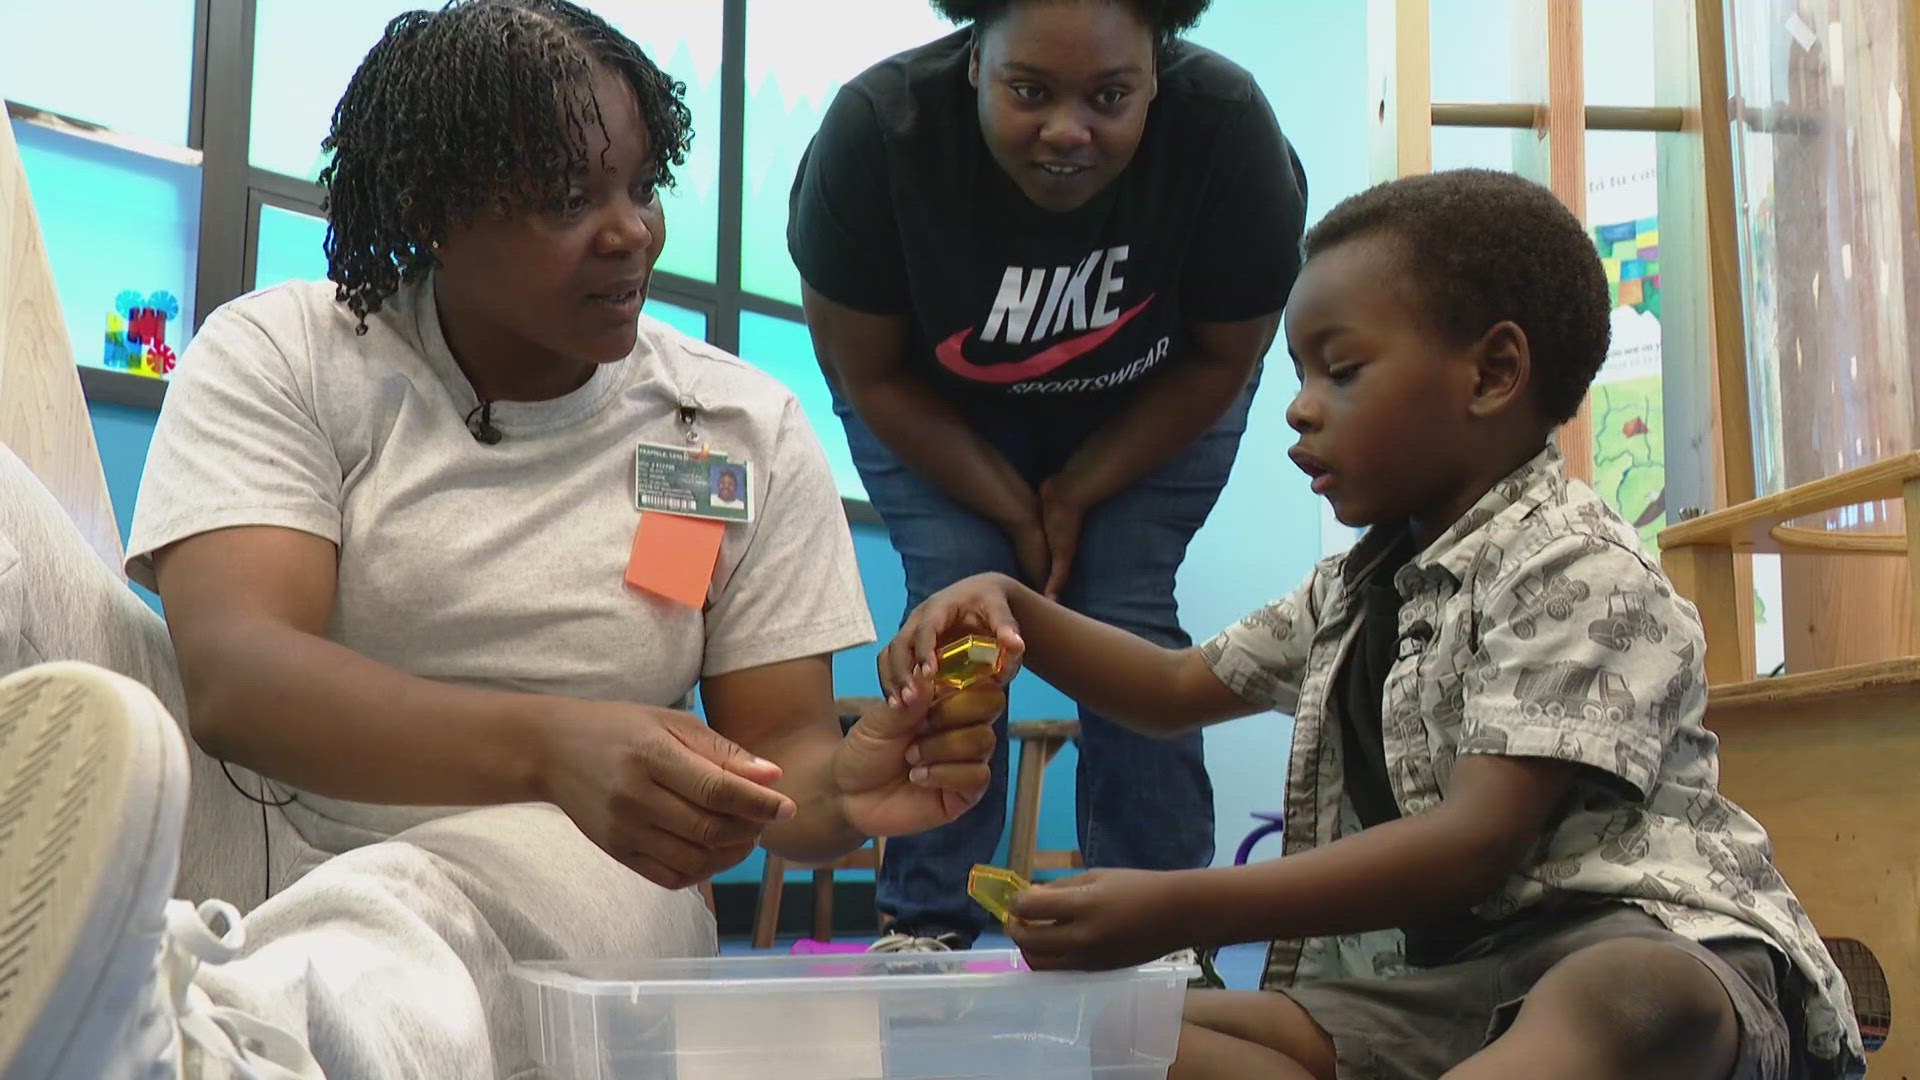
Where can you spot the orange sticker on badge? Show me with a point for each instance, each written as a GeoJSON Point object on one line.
{"type": "Point", "coordinates": [673, 556]}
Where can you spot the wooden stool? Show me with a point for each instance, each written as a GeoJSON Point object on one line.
{"type": "Point", "coordinates": [773, 879]}
{"type": "Point", "coordinates": [1039, 741]}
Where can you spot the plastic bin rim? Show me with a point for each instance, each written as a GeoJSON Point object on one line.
{"type": "Point", "coordinates": [554, 974]}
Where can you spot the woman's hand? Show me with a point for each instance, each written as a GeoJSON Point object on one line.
{"type": "Point", "coordinates": [975, 605]}
{"type": "Point", "coordinates": [1098, 920]}
{"type": "Point", "coordinates": [1062, 513]}
{"type": "Point", "coordinates": [1033, 550]}
{"type": "Point", "coordinates": [906, 769]}
{"type": "Point", "coordinates": [657, 789]}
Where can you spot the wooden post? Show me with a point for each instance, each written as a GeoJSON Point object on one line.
{"type": "Point", "coordinates": [1723, 255]}
{"type": "Point", "coordinates": [766, 914]}
{"type": "Point", "coordinates": [1034, 755]}
{"type": "Point", "coordinates": [1697, 465]}
{"type": "Point", "coordinates": [823, 903]}
{"type": "Point", "coordinates": [1549, 73]}
{"type": "Point", "coordinates": [1704, 574]}
{"type": "Point", "coordinates": [1399, 71]}
{"type": "Point", "coordinates": [1911, 491]}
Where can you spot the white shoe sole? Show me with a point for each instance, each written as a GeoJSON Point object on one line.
{"type": "Point", "coordinates": [93, 795]}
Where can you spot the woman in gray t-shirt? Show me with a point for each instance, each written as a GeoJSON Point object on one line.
{"type": "Point", "coordinates": [395, 525]}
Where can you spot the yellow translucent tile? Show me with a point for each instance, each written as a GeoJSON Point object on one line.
{"type": "Point", "coordinates": [994, 888]}
{"type": "Point", "coordinates": [968, 660]}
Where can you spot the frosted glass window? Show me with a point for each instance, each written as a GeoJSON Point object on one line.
{"type": "Point", "coordinates": [301, 66]}
{"type": "Point", "coordinates": [1474, 43]}
{"type": "Point", "coordinates": [796, 62]}
{"type": "Point", "coordinates": [782, 348]}
{"type": "Point", "coordinates": [289, 247]}
{"type": "Point", "coordinates": [124, 64]}
{"type": "Point", "coordinates": [1472, 49]}
{"type": "Point", "coordinates": [1617, 40]}
{"type": "Point", "coordinates": [689, 321]}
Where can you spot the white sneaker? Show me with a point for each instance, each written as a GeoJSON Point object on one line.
{"type": "Point", "coordinates": [95, 964]}
{"type": "Point", "coordinates": [895, 941]}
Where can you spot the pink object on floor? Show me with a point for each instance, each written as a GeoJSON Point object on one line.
{"type": "Point", "coordinates": [807, 946]}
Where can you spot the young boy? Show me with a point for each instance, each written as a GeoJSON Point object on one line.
{"type": "Point", "coordinates": [1505, 853]}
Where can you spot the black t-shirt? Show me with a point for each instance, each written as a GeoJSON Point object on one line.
{"type": "Point", "coordinates": [898, 207]}
{"type": "Point", "coordinates": [1362, 686]}
{"type": "Point", "coordinates": [1359, 693]}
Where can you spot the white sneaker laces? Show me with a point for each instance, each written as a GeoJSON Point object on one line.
{"type": "Point", "coordinates": [253, 1048]}
{"type": "Point", "coordinates": [896, 942]}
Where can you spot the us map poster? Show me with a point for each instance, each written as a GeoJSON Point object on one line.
{"type": "Point", "coordinates": [1629, 452]}
{"type": "Point", "coordinates": [1629, 447]}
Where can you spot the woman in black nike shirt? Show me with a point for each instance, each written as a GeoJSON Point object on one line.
{"type": "Point", "coordinates": [1043, 257]}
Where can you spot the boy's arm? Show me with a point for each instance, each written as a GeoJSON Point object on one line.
{"type": "Point", "coordinates": [1586, 662]}
{"type": "Point", "coordinates": [1397, 874]}
{"type": "Point", "coordinates": [1149, 688]}
{"type": "Point", "coordinates": [1401, 873]}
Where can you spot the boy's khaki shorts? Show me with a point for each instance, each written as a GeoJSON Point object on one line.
{"type": "Point", "coordinates": [1418, 1025]}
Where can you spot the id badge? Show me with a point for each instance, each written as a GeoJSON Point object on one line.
{"type": "Point", "coordinates": [692, 483]}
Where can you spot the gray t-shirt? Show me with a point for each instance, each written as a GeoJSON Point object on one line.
{"type": "Point", "coordinates": [496, 566]}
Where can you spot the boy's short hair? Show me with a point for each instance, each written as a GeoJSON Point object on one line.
{"type": "Point", "coordinates": [1484, 247]}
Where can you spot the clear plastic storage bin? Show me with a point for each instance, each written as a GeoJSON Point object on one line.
{"type": "Point", "coordinates": [947, 1015]}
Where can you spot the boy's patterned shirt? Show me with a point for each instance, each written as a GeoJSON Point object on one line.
{"type": "Point", "coordinates": [1536, 627]}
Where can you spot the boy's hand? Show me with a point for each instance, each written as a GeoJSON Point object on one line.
{"type": "Point", "coordinates": [976, 605]}
{"type": "Point", "coordinates": [1097, 921]}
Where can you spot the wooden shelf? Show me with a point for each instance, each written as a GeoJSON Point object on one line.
{"type": "Point", "coordinates": [1832, 686]}
{"type": "Point", "coordinates": [1749, 527]}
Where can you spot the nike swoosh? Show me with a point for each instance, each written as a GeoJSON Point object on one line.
{"type": "Point", "coordinates": [1041, 363]}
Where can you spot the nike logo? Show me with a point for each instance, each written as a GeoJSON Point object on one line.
{"type": "Point", "coordinates": [1044, 362]}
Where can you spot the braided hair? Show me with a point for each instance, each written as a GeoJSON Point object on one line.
{"type": "Point", "coordinates": [1167, 19]}
{"type": "Point", "coordinates": [481, 104]}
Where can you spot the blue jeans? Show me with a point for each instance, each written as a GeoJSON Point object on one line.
{"type": "Point", "coordinates": [1140, 802]}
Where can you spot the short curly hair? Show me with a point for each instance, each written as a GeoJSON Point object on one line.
{"type": "Point", "coordinates": [480, 103]}
{"type": "Point", "coordinates": [1167, 19]}
{"type": "Point", "coordinates": [1484, 247]}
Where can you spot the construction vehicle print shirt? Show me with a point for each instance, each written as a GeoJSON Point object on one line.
{"type": "Point", "coordinates": [898, 207]}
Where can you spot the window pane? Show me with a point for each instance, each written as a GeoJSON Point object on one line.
{"type": "Point", "coordinates": [289, 248]}
{"type": "Point", "coordinates": [301, 66]}
{"type": "Point", "coordinates": [796, 61]}
{"type": "Point", "coordinates": [683, 37]}
{"type": "Point", "coordinates": [121, 230]}
{"type": "Point", "coordinates": [783, 349]}
{"type": "Point", "coordinates": [1823, 168]}
{"type": "Point", "coordinates": [1319, 95]}
{"type": "Point", "coordinates": [1475, 148]}
{"type": "Point", "coordinates": [689, 321]}
{"type": "Point", "coordinates": [126, 64]}
{"type": "Point", "coordinates": [1472, 49]}
{"type": "Point", "coordinates": [1617, 42]}
{"type": "Point", "coordinates": [1474, 43]}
